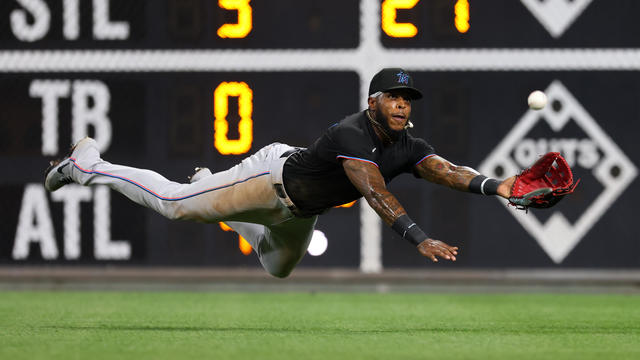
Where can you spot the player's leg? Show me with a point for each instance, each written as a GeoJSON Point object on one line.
{"type": "Point", "coordinates": [279, 247]}
{"type": "Point", "coordinates": [253, 233]}
{"type": "Point", "coordinates": [244, 192]}
{"type": "Point", "coordinates": [242, 196]}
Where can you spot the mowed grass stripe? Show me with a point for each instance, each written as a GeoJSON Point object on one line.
{"type": "Point", "coordinates": [182, 325]}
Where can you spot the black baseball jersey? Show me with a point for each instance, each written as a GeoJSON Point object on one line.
{"type": "Point", "coordinates": [315, 179]}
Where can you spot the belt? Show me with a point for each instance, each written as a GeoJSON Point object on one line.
{"type": "Point", "coordinates": [288, 153]}
{"type": "Point", "coordinates": [278, 184]}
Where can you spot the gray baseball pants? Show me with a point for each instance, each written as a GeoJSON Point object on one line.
{"type": "Point", "coordinates": [243, 197]}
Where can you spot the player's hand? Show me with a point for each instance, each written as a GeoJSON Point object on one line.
{"type": "Point", "coordinates": [435, 248]}
{"type": "Point", "coordinates": [504, 188]}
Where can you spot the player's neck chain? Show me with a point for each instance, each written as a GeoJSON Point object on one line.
{"type": "Point", "coordinates": [379, 129]}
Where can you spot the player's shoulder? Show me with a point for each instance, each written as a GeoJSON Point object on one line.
{"type": "Point", "coordinates": [352, 125]}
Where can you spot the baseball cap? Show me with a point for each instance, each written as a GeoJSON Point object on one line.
{"type": "Point", "coordinates": [391, 79]}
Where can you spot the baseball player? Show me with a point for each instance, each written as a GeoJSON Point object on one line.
{"type": "Point", "coordinates": [273, 197]}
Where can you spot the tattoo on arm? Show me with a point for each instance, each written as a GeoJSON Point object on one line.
{"type": "Point", "coordinates": [369, 181]}
{"type": "Point", "coordinates": [443, 172]}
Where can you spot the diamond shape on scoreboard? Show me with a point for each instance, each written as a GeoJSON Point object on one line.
{"type": "Point", "coordinates": [613, 170]}
{"type": "Point", "coordinates": [556, 15]}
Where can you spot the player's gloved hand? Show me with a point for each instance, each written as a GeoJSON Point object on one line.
{"type": "Point", "coordinates": [544, 184]}
{"type": "Point", "coordinates": [435, 248]}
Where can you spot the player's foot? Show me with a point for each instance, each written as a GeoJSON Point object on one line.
{"type": "Point", "coordinates": [58, 174]}
{"type": "Point", "coordinates": [199, 174]}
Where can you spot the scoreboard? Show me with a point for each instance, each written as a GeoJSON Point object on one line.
{"type": "Point", "coordinates": [179, 24]}
{"type": "Point", "coordinates": [330, 24]}
{"type": "Point", "coordinates": [550, 24]}
{"type": "Point", "coordinates": [174, 84]}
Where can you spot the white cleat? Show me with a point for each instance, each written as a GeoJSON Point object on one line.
{"type": "Point", "coordinates": [199, 174]}
{"type": "Point", "coordinates": [58, 174]}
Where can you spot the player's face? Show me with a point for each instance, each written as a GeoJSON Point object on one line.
{"type": "Point", "coordinates": [394, 107]}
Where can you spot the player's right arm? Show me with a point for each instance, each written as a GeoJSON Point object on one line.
{"type": "Point", "coordinates": [368, 180]}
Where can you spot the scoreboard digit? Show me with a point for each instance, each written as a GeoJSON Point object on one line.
{"type": "Point", "coordinates": [245, 19]}
{"type": "Point", "coordinates": [221, 125]}
{"type": "Point", "coordinates": [391, 27]}
{"type": "Point", "coordinates": [389, 14]}
{"type": "Point", "coordinates": [462, 16]}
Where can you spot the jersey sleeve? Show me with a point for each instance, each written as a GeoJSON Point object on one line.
{"type": "Point", "coordinates": [351, 143]}
{"type": "Point", "coordinates": [420, 151]}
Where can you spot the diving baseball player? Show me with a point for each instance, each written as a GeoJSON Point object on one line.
{"type": "Point", "coordinates": [273, 197]}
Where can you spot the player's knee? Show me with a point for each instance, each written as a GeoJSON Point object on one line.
{"type": "Point", "coordinates": [277, 265]}
{"type": "Point", "coordinates": [279, 261]}
{"type": "Point", "coordinates": [281, 272]}
{"type": "Point", "coordinates": [282, 268]}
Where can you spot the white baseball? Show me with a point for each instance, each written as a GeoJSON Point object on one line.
{"type": "Point", "coordinates": [537, 100]}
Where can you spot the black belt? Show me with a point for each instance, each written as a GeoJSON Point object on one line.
{"type": "Point", "coordinates": [290, 152]}
{"type": "Point", "coordinates": [279, 186]}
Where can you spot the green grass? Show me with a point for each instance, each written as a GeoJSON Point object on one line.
{"type": "Point", "coordinates": [129, 325]}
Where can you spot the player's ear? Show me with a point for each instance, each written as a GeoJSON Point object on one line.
{"type": "Point", "coordinates": [372, 102]}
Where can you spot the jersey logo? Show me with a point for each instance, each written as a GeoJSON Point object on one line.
{"type": "Point", "coordinates": [374, 150]}
{"type": "Point", "coordinates": [403, 78]}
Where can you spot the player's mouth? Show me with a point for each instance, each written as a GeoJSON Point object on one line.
{"type": "Point", "coordinates": [399, 119]}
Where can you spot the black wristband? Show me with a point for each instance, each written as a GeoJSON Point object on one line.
{"type": "Point", "coordinates": [484, 185]}
{"type": "Point", "coordinates": [409, 230]}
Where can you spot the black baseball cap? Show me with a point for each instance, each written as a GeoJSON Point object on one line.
{"type": "Point", "coordinates": [391, 79]}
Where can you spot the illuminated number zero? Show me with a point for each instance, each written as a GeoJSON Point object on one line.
{"type": "Point", "coordinates": [221, 125]}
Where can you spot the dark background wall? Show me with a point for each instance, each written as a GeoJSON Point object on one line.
{"type": "Point", "coordinates": [164, 121]}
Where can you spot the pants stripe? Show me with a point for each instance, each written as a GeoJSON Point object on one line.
{"type": "Point", "coordinates": [159, 196]}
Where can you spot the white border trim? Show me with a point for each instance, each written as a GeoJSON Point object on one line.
{"type": "Point", "coordinates": [14, 61]}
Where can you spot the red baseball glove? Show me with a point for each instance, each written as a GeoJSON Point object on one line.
{"type": "Point", "coordinates": [544, 184]}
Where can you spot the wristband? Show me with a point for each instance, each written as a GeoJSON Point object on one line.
{"type": "Point", "coordinates": [406, 228]}
{"type": "Point", "coordinates": [484, 185]}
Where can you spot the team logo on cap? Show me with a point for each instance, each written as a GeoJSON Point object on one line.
{"type": "Point", "coordinates": [403, 78]}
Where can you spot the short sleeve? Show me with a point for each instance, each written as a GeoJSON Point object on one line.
{"type": "Point", "coordinates": [420, 150]}
{"type": "Point", "coordinates": [351, 143]}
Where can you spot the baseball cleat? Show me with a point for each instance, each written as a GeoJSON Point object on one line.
{"type": "Point", "coordinates": [199, 174]}
{"type": "Point", "coordinates": [58, 174]}
{"type": "Point", "coordinates": [55, 176]}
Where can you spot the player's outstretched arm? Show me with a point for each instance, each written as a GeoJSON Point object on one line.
{"type": "Point", "coordinates": [369, 181]}
{"type": "Point", "coordinates": [443, 172]}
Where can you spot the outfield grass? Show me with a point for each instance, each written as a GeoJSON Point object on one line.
{"type": "Point", "coordinates": [182, 325]}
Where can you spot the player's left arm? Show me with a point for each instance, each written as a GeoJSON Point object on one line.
{"type": "Point", "coordinates": [441, 171]}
